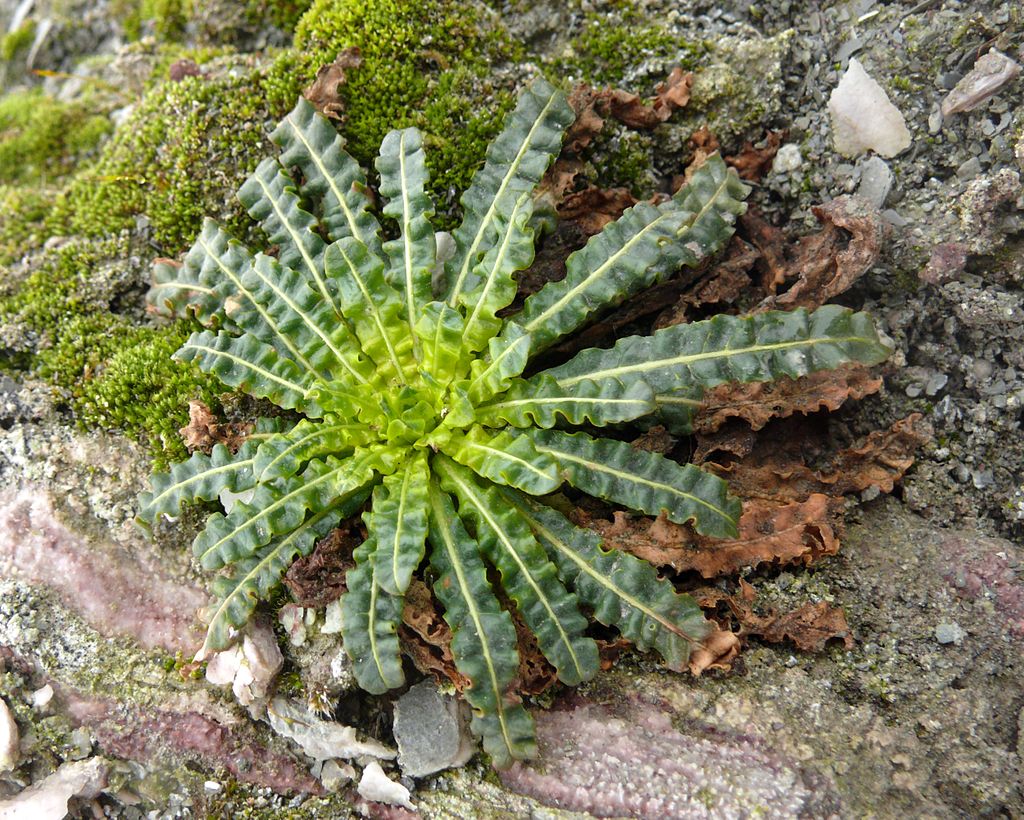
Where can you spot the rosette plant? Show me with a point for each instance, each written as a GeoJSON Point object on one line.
{"type": "Point", "coordinates": [410, 401]}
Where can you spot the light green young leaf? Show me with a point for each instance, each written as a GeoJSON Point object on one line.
{"type": "Point", "coordinates": [439, 330]}
{"type": "Point", "coordinates": [508, 357]}
{"type": "Point", "coordinates": [543, 402]}
{"type": "Point", "coordinates": [373, 306]}
{"type": "Point", "coordinates": [516, 161]}
{"type": "Point", "coordinates": [527, 575]}
{"type": "Point", "coordinates": [370, 617]}
{"type": "Point", "coordinates": [330, 176]}
{"type": "Point", "coordinates": [644, 246]}
{"type": "Point", "coordinates": [483, 637]}
{"type": "Point", "coordinates": [623, 591]}
{"type": "Point", "coordinates": [250, 365]}
{"type": "Point", "coordinates": [761, 347]}
{"type": "Point", "coordinates": [283, 455]}
{"type": "Point", "coordinates": [505, 457]}
{"type": "Point", "coordinates": [403, 173]}
{"type": "Point", "coordinates": [651, 483]}
{"type": "Point", "coordinates": [398, 523]}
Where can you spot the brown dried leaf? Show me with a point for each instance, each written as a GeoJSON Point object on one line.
{"type": "Point", "coordinates": [180, 69]}
{"type": "Point", "coordinates": [655, 440]}
{"type": "Point", "coordinates": [319, 578]}
{"type": "Point", "coordinates": [426, 638]}
{"type": "Point", "coordinates": [717, 651]}
{"type": "Point", "coordinates": [593, 208]}
{"type": "Point", "coordinates": [752, 163]}
{"type": "Point", "coordinates": [536, 675]}
{"type": "Point", "coordinates": [323, 93]}
{"type": "Point", "coordinates": [203, 431]}
{"type": "Point", "coordinates": [800, 532]}
{"type": "Point", "coordinates": [634, 112]}
{"type": "Point", "coordinates": [759, 403]}
{"type": "Point", "coordinates": [880, 460]}
{"type": "Point", "coordinates": [588, 123]}
{"type": "Point", "coordinates": [724, 283]}
{"type": "Point", "coordinates": [809, 627]}
{"type": "Point", "coordinates": [825, 264]}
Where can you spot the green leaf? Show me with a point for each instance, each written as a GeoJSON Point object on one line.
{"type": "Point", "coordinates": [269, 196]}
{"type": "Point", "coordinates": [254, 578]}
{"type": "Point", "coordinates": [202, 283]}
{"type": "Point", "coordinates": [201, 478]}
{"type": "Point", "coordinates": [280, 506]}
{"type": "Point", "coordinates": [300, 322]}
{"type": "Point", "coordinates": [370, 617]}
{"type": "Point", "coordinates": [483, 637]}
{"type": "Point", "coordinates": [542, 402]}
{"type": "Point", "coordinates": [505, 457]}
{"type": "Point", "coordinates": [676, 409]}
{"type": "Point", "coordinates": [403, 173]}
{"type": "Point", "coordinates": [398, 524]}
{"type": "Point", "coordinates": [373, 306]}
{"type": "Point", "coordinates": [439, 329]}
{"type": "Point", "coordinates": [527, 575]}
{"type": "Point", "coordinates": [516, 161]}
{"type": "Point", "coordinates": [513, 251]}
{"type": "Point", "coordinates": [644, 246]}
{"type": "Point", "coordinates": [250, 365]}
{"type": "Point", "coordinates": [651, 483]}
{"type": "Point", "coordinates": [623, 591]}
{"type": "Point", "coordinates": [330, 176]}
{"type": "Point", "coordinates": [283, 455]}
{"type": "Point", "coordinates": [508, 357]}
{"type": "Point", "coordinates": [757, 348]}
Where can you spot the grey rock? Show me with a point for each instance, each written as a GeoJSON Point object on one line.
{"type": "Point", "coordinates": [431, 731]}
{"type": "Point", "coordinates": [875, 181]}
{"type": "Point", "coordinates": [947, 633]}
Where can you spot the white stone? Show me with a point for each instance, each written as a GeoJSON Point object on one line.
{"type": "Point", "coordinates": [787, 159]}
{"type": "Point", "coordinates": [48, 799]}
{"type": "Point", "coordinates": [334, 775]}
{"type": "Point", "coordinates": [332, 618]}
{"type": "Point", "coordinates": [990, 73]}
{"type": "Point", "coordinates": [250, 668]}
{"type": "Point", "coordinates": [863, 118]}
{"type": "Point", "coordinates": [9, 740]}
{"type": "Point", "coordinates": [321, 739]}
{"type": "Point", "coordinates": [293, 619]}
{"type": "Point", "coordinates": [377, 787]}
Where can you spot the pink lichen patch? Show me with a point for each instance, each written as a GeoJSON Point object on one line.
{"type": "Point", "coordinates": [153, 734]}
{"type": "Point", "coordinates": [631, 761]}
{"type": "Point", "coordinates": [989, 573]}
{"type": "Point", "coordinates": [117, 591]}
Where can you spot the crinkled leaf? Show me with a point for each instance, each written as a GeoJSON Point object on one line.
{"type": "Point", "coordinates": [330, 176]}
{"type": "Point", "coordinates": [403, 173]}
{"type": "Point", "coordinates": [543, 402]}
{"type": "Point", "coordinates": [370, 617]}
{"type": "Point", "coordinates": [484, 639]}
{"type": "Point", "coordinates": [439, 329]}
{"type": "Point", "coordinates": [644, 246]}
{"type": "Point", "coordinates": [651, 483]}
{"type": "Point", "coordinates": [398, 524]}
{"type": "Point", "coordinates": [527, 575]}
{"type": "Point", "coordinates": [252, 366]}
{"type": "Point", "coordinates": [508, 357]}
{"type": "Point", "coordinates": [623, 591]}
{"type": "Point", "coordinates": [505, 457]}
{"type": "Point", "coordinates": [283, 455]}
{"type": "Point", "coordinates": [516, 161]}
{"type": "Point", "coordinates": [761, 347]}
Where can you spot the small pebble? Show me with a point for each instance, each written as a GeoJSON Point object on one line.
{"type": "Point", "coordinates": [947, 633]}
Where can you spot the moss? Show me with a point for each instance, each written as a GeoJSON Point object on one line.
{"type": "Point", "coordinates": [625, 159]}
{"type": "Point", "coordinates": [117, 377]}
{"type": "Point", "coordinates": [14, 42]}
{"type": "Point", "coordinates": [609, 44]}
{"type": "Point", "coordinates": [181, 155]}
{"type": "Point", "coordinates": [425, 64]}
{"type": "Point", "coordinates": [41, 138]}
{"type": "Point", "coordinates": [23, 213]}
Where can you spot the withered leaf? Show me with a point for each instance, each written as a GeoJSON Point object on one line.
{"type": "Point", "coordinates": [593, 208]}
{"type": "Point", "coordinates": [203, 431]}
{"type": "Point", "coordinates": [724, 283]}
{"type": "Point", "coordinates": [799, 532]}
{"type": "Point", "coordinates": [753, 162]}
{"type": "Point", "coordinates": [323, 92]}
{"type": "Point", "coordinates": [634, 112]}
{"type": "Point", "coordinates": [319, 578]}
{"type": "Point", "coordinates": [825, 264]}
{"type": "Point", "coordinates": [760, 402]}
{"type": "Point", "coordinates": [717, 651]}
{"type": "Point", "coordinates": [585, 101]}
{"type": "Point", "coordinates": [775, 471]}
{"type": "Point", "coordinates": [426, 638]}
